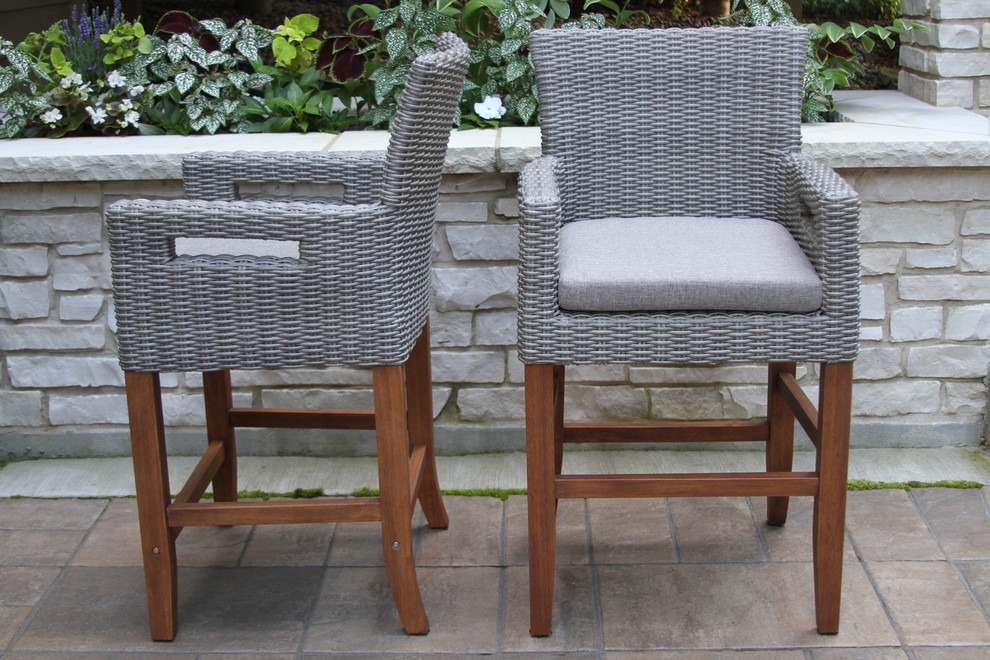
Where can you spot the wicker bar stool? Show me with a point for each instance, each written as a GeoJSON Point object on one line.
{"type": "Point", "coordinates": [673, 221]}
{"type": "Point", "coordinates": [298, 283]}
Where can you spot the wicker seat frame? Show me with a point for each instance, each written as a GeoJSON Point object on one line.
{"type": "Point", "coordinates": [701, 122]}
{"type": "Point", "coordinates": [357, 295]}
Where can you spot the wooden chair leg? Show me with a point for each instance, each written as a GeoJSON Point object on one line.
{"type": "Point", "coordinates": [144, 407]}
{"type": "Point", "coordinates": [396, 504]}
{"type": "Point", "coordinates": [558, 418]}
{"type": "Point", "coordinates": [419, 396]}
{"type": "Point", "coordinates": [219, 401]}
{"type": "Point", "coordinates": [540, 469]}
{"type": "Point", "coordinates": [780, 445]}
{"type": "Point", "coordinates": [834, 409]}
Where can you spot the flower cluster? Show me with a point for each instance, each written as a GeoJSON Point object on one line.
{"type": "Point", "coordinates": [112, 109]}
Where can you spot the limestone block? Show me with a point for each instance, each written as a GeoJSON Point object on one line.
{"type": "Point", "coordinates": [895, 398]}
{"type": "Point", "coordinates": [744, 402]}
{"type": "Point", "coordinates": [965, 399]}
{"type": "Point", "coordinates": [870, 333]}
{"type": "Point", "coordinates": [462, 212]}
{"type": "Point", "coordinates": [44, 196]}
{"type": "Point", "coordinates": [915, 7]}
{"type": "Point", "coordinates": [590, 373]}
{"type": "Point", "coordinates": [960, 65]}
{"type": "Point", "coordinates": [924, 185]}
{"type": "Point", "coordinates": [77, 249]}
{"type": "Point", "coordinates": [468, 367]}
{"type": "Point", "coordinates": [297, 377]}
{"type": "Point", "coordinates": [111, 316]}
{"type": "Point", "coordinates": [24, 262]}
{"type": "Point", "coordinates": [921, 37]}
{"type": "Point", "coordinates": [949, 9]}
{"type": "Point", "coordinates": [931, 258]}
{"type": "Point", "coordinates": [507, 207]}
{"type": "Point", "coordinates": [496, 328]}
{"type": "Point", "coordinates": [52, 228]}
{"type": "Point", "coordinates": [516, 369]}
{"type": "Point", "coordinates": [976, 221]}
{"type": "Point", "coordinates": [338, 398]}
{"type": "Point", "coordinates": [686, 403]}
{"type": "Point", "coordinates": [700, 375]}
{"type": "Point", "coordinates": [871, 302]}
{"type": "Point", "coordinates": [955, 35]}
{"type": "Point", "coordinates": [88, 409]}
{"type": "Point", "coordinates": [450, 328]}
{"type": "Point", "coordinates": [491, 404]}
{"type": "Point", "coordinates": [52, 337]}
{"type": "Point", "coordinates": [932, 224]}
{"type": "Point", "coordinates": [474, 288]}
{"type": "Point", "coordinates": [80, 308]}
{"type": "Point", "coordinates": [935, 91]}
{"type": "Point", "coordinates": [916, 59]}
{"type": "Point", "coordinates": [948, 361]}
{"type": "Point", "coordinates": [943, 287]}
{"type": "Point", "coordinates": [879, 261]}
{"type": "Point", "coordinates": [485, 242]}
{"type": "Point", "coordinates": [915, 323]}
{"type": "Point", "coordinates": [968, 322]}
{"type": "Point", "coordinates": [986, 35]}
{"type": "Point", "coordinates": [188, 410]}
{"type": "Point", "coordinates": [470, 183]}
{"type": "Point", "coordinates": [20, 409]}
{"type": "Point", "coordinates": [589, 403]}
{"type": "Point", "coordinates": [64, 371]}
{"type": "Point", "coordinates": [976, 256]}
{"type": "Point", "coordinates": [24, 300]}
{"type": "Point", "coordinates": [879, 363]}
{"type": "Point", "coordinates": [80, 273]}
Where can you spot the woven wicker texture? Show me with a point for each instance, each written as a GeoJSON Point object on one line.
{"type": "Point", "coordinates": [357, 295]}
{"type": "Point", "coordinates": [699, 122]}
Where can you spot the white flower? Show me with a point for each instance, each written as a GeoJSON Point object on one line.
{"type": "Point", "coordinates": [126, 104]}
{"type": "Point", "coordinates": [137, 89]}
{"type": "Point", "coordinates": [96, 115]}
{"type": "Point", "coordinates": [490, 108]}
{"type": "Point", "coordinates": [131, 118]}
{"type": "Point", "coordinates": [51, 116]}
{"type": "Point", "coordinates": [70, 80]}
{"type": "Point", "coordinates": [83, 91]}
{"type": "Point", "coordinates": [114, 79]}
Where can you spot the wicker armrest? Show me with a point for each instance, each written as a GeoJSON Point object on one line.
{"type": "Point", "coordinates": [539, 226]}
{"type": "Point", "coordinates": [827, 227]}
{"type": "Point", "coordinates": [217, 175]}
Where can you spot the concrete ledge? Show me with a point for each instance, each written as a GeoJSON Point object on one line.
{"type": "Point", "coordinates": [885, 128]}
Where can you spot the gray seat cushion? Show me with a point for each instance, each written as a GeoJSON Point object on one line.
{"type": "Point", "coordinates": [684, 263]}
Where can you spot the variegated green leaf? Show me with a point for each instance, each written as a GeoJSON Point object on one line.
{"type": "Point", "coordinates": [396, 41]}
{"type": "Point", "coordinates": [184, 81]}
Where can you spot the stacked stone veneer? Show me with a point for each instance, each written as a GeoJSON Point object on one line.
{"type": "Point", "coordinates": [949, 64]}
{"type": "Point", "coordinates": [920, 378]}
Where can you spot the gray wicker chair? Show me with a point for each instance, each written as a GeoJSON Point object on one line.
{"type": "Point", "coordinates": [337, 283]}
{"type": "Point", "coordinates": [672, 220]}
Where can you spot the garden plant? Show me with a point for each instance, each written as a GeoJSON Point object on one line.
{"type": "Point", "coordinates": [99, 73]}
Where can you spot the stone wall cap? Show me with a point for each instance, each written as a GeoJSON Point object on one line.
{"type": "Point", "coordinates": [886, 129]}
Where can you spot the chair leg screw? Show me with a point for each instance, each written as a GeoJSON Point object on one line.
{"type": "Point", "coordinates": [156, 551]}
{"type": "Point", "coordinates": [395, 545]}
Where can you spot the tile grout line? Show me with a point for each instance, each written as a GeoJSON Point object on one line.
{"type": "Point", "coordinates": [503, 570]}
{"type": "Point", "coordinates": [596, 594]}
{"type": "Point", "coordinates": [320, 585]}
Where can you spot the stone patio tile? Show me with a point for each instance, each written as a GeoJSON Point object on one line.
{"type": "Point", "coordinates": [391, 656]}
{"type": "Point", "coordinates": [288, 545]}
{"type": "Point", "coordinates": [115, 539]}
{"type": "Point", "coordinates": [474, 537]}
{"type": "Point", "coordinates": [105, 656]}
{"type": "Point", "coordinates": [357, 544]}
{"type": "Point", "coordinates": [94, 609]}
{"type": "Point", "coordinates": [859, 654]}
{"type": "Point", "coordinates": [959, 518]}
{"type": "Point", "coordinates": [977, 576]}
{"type": "Point", "coordinates": [886, 525]}
{"type": "Point", "coordinates": [572, 537]}
{"type": "Point", "coordinates": [732, 606]}
{"type": "Point", "coordinates": [705, 655]}
{"type": "Point", "coordinates": [951, 652]}
{"type": "Point", "coordinates": [911, 589]}
{"type": "Point", "coordinates": [573, 607]}
{"type": "Point", "coordinates": [569, 655]}
{"type": "Point", "coordinates": [49, 514]}
{"type": "Point", "coordinates": [247, 656]}
{"type": "Point", "coordinates": [716, 529]}
{"type": "Point", "coordinates": [355, 612]}
{"type": "Point", "coordinates": [38, 548]}
{"type": "Point", "coordinates": [24, 585]}
{"type": "Point", "coordinates": [630, 531]}
{"type": "Point", "coordinates": [792, 540]}
{"type": "Point", "coordinates": [11, 619]}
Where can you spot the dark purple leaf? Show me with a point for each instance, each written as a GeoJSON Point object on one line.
{"type": "Point", "coordinates": [177, 22]}
{"type": "Point", "coordinates": [348, 65]}
{"type": "Point", "coordinates": [209, 43]}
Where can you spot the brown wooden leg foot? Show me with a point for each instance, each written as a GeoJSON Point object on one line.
{"type": "Point", "coordinates": [830, 505]}
{"type": "Point", "coordinates": [540, 468]}
{"type": "Point", "coordinates": [219, 401]}
{"type": "Point", "coordinates": [780, 445]}
{"type": "Point", "coordinates": [419, 394]}
{"type": "Point", "coordinates": [396, 505]}
{"type": "Point", "coordinates": [151, 479]}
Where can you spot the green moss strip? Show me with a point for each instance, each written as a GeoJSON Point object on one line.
{"type": "Point", "coordinates": [862, 484]}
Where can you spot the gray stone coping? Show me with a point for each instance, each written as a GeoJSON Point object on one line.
{"type": "Point", "coordinates": [885, 129]}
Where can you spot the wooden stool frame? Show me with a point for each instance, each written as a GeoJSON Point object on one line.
{"type": "Point", "coordinates": [403, 423]}
{"type": "Point", "coordinates": [827, 426]}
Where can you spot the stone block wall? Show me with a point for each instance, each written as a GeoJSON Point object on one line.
{"type": "Point", "coordinates": [920, 379]}
{"type": "Point", "coordinates": [949, 63]}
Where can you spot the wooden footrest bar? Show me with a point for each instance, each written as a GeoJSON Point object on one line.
{"type": "Point", "coordinates": [666, 432]}
{"type": "Point", "coordinates": [286, 418]}
{"type": "Point", "coordinates": [753, 484]}
{"type": "Point", "coordinates": [359, 509]}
